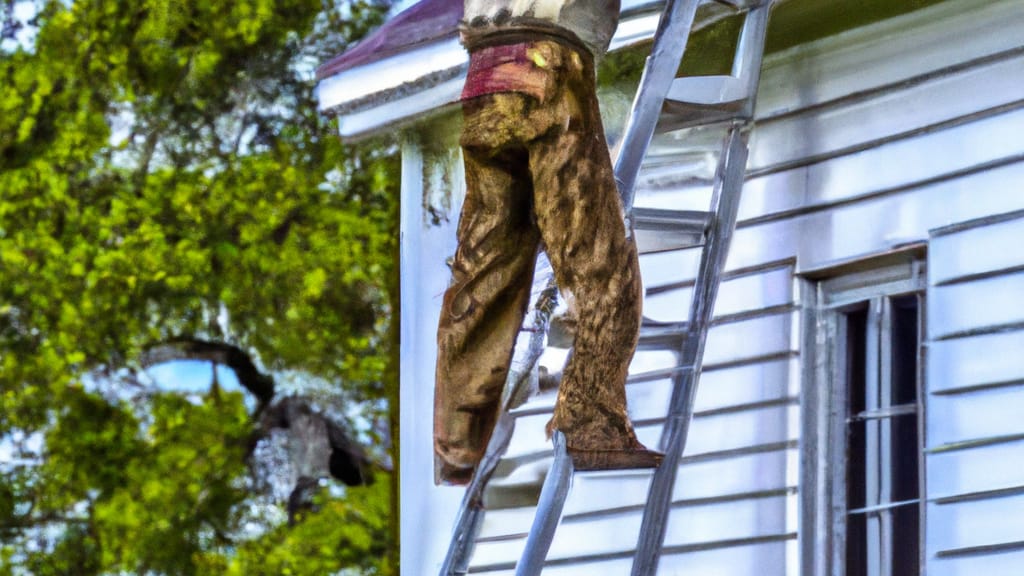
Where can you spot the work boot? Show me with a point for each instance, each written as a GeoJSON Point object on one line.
{"type": "Point", "coordinates": [635, 455]}
{"type": "Point", "coordinates": [634, 458]}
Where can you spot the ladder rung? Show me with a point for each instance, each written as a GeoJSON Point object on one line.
{"type": "Point", "coordinates": [520, 489]}
{"type": "Point", "coordinates": [710, 99]}
{"type": "Point", "coordinates": [544, 403]}
{"type": "Point", "coordinates": [717, 91]}
{"type": "Point", "coordinates": [653, 333]}
{"type": "Point", "coordinates": [691, 167]}
{"type": "Point", "coordinates": [662, 335]}
{"type": "Point", "coordinates": [658, 230]}
{"type": "Point", "coordinates": [677, 116]}
{"type": "Point", "coordinates": [740, 4]}
{"type": "Point", "coordinates": [524, 491]}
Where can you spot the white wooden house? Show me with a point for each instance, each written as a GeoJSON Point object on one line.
{"type": "Point", "coordinates": [860, 410]}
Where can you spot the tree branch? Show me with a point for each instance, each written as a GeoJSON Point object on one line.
{"type": "Point", "coordinates": [259, 384]}
{"type": "Point", "coordinates": [345, 458]}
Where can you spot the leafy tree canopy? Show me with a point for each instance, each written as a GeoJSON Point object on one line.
{"type": "Point", "coordinates": [165, 177]}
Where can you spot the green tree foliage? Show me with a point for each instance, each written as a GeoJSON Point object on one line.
{"type": "Point", "coordinates": [165, 175]}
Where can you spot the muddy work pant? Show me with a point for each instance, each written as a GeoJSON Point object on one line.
{"type": "Point", "coordinates": [538, 176]}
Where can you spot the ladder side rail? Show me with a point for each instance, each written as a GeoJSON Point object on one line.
{"type": "Point", "coordinates": [725, 206]}
{"type": "Point", "coordinates": [712, 265]}
{"type": "Point", "coordinates": [727, 192]}
{"type": "Point", "coordinates": [549, 510]}
{"type": "Point", "coordinates": [659, 71]}
{"type": "Point", "coordinates": [471, 511]}
{"type": "Point", "coordinates": [750, 54]}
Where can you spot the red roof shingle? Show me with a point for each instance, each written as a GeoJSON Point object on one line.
{"type": "Point", "coordinates": [423, 22]}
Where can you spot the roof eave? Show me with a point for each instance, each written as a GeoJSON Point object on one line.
{"type": "Point", "coordinates": [409, 86]}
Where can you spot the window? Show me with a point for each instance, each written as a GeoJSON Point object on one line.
{"type": "Point", "coordinates": [863, 472]}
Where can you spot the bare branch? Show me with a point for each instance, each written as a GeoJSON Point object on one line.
{"type": "Point", "coordinates": [259, 384]}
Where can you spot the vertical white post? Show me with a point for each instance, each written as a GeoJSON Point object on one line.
{"type": "Point", "coordinates": [432, 189]}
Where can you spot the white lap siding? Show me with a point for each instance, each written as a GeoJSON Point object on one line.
{"type": "Point", "coordinates": [976, 382]}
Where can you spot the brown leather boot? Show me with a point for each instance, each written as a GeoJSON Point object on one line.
{"type": "Point", "coordinates": [625, 459]}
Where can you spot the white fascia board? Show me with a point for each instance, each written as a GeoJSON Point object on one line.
{"type": "Point", "coordinates": [373, 83]}
{"type": "Point", "coordinates": [368, 121]}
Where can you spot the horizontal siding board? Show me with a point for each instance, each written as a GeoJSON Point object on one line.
{"type": "Point", "coordinates": [905, 109]}
{"type": "Point", "coordinates": [510, 521]}
{"type": "Point", "coordinates": [747, 384]}
{"type": "Point", "coordinates": [761, 559]}
{"type": "Point", "coordinates": [713, 479]}
{"type": "Point", "coordinates": [729, 521]}
{"type": "Point", "coordinates": [529, 436]}
{"type": "Point", "coordinates": [975, 523]}
{"type": "Point", "coordinates": [982, 469]}
{"type": "Point", "coordinates": [994, 564]}
{"type": "Point", "coordinates": [737, 430]}
{"type": "Point", "coordinates": [767, 559]}
{"type": "Point", "coordinates": [975, 415]}
{"type": "Point", "coordinates": [746, 339]}
{"type": "Point", "coordinates": [648, 400]}
{"type": "Point", "coordinates": [744, 294]}
{"type": "Point", "coordinates": [762, 384]}
{"type": "Point", "coordinates": [645, 361]}
{"type": "Point", "coordinates": [669, 186]}
{"type": "Point", "coordinates": [870, 58]}
{"type": "Point", "coordinates": [964, 362]}
{"type": "Point", "coordinates": [980, 250]}
{"type": "Point", "coordinates": [900, 163]}
{"type": "Point", "coordinates": [613, 534]}
{"type": "Point", "coordinates": [613, 567]}
{"type": "Point", "coordinates": [878, 224]}
{"type": "Point", "coordinates": [663, 268]}
{"type": "Point", "coordinates": [737, 475]}
{"type": "Point", "coordinates": [978, 305]}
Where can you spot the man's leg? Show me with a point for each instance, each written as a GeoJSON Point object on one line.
{"type": "Point", "coordinates": [484, 306]}
{"type": "Point", "coordinates": [580, 219]}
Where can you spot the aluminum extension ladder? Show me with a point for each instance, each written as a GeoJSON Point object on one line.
{"type": "Point", "coordinates": [687, 102]}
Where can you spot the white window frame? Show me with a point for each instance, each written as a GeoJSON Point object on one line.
{"type": "Point", "coordinates": [828, 297]}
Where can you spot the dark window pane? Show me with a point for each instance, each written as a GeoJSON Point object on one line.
{"type": "Point", "coordinates": [904, 350]}
{"type": "Point", "coordinates": [904, 458]}
{"type": "Point", "coordinates": [856, 359]}
{"type": "Point", "coordinates": [856, 490]}
{"type": "Point", "coordinates": [856, 545]}
{"type": "Point", "coordinates": [856, 485]}
{"type": "Point", "coordinates": [905, 441]}
{"type": "Point", "coordinates": [906, 540]}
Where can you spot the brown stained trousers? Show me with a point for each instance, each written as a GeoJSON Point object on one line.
{"type": "Point", "coordinates": [538, 175]}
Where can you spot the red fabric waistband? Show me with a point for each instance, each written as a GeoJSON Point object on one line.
{"type": "Point", "coordinates": [502, 68]}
